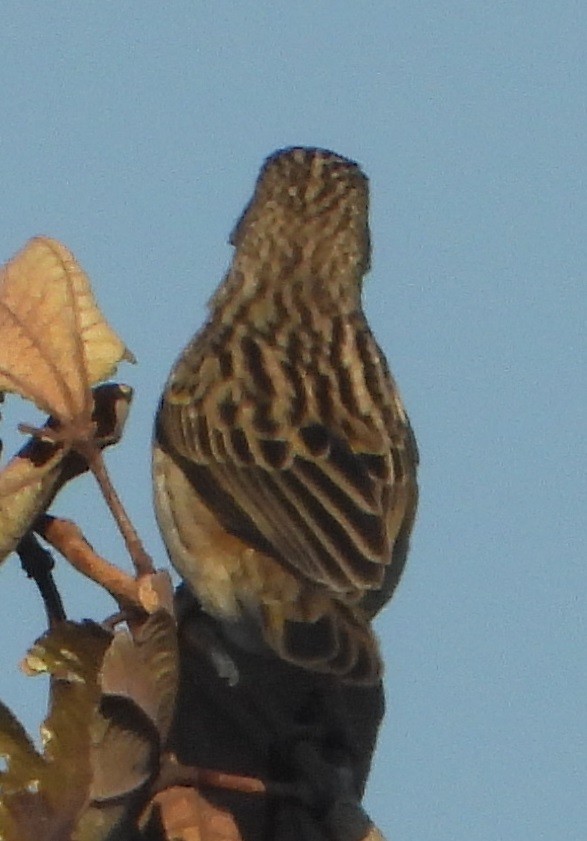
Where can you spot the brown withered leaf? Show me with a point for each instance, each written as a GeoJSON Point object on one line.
{"type": "Point", "coordinates": [26, 488]}
{"type": "Point", "coordinates": [54, 341]}
{"type": "Point", "coordinates": [138, 679]}
{"type": "Point", "coordinates": [100, 749]}
{"type": "Point", "coordinates": [54, 346]}
{"type": "Point", "coordinates": [43, 795]}
{"type": "Point", "coordinates": [25, 763]}
{"type": "Point", "coordinates": [144, 668]}
{"type": "Point", "coordinates": [33, 476]}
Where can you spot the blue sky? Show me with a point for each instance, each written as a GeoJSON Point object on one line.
{"type": "Point", "coordinates": [134, 132]}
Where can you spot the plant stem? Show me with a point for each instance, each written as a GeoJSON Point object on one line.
{"type": "Point", "coordinates": [142, 561]}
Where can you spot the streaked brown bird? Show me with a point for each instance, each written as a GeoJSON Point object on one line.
{"type": "Point", "coordinates": [284, 462]}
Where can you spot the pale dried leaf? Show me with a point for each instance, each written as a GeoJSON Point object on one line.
{"type": "Point", "coordinates": [54, 341]}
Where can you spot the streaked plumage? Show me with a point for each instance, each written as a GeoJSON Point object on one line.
{"type": "Point", "coordinates": [284, 462]}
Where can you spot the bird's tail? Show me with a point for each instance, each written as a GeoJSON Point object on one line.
{"type": "Point", "coordinates": [337, 642]}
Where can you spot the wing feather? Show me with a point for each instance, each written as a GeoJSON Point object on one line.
{"type": "Point", "coordinates": [325, 514]}
{"type": "Point", "coordinates": [324, 490]}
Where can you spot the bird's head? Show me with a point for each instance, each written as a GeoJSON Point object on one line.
{"type": "Point", "coordinates": [308, 216]}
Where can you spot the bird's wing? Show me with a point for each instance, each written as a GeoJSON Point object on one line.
{"type": "Point", "coordinates": [328, 504]}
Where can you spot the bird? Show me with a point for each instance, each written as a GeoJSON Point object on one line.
{"type": "Point", "coordinates": [284, 463]}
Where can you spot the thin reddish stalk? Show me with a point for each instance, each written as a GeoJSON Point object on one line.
{"type": "Point", "coordinates": [142, 561]}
